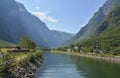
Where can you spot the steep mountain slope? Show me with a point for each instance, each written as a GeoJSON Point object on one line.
{"type": "Point", "coordinates": [16, 21]}
{"type": "Point", "coordinates": [39, 32]}
{"type": "Point", "coordinates": [10, 23]}
{"type": "Point", "coordinates": [89, 30]}
{"type": "Point", "coordinates": [33, 26]}
{"type": "Point", "coordinates": [110, 27]}
{"type": "Point", "coordinates": [106, 38]}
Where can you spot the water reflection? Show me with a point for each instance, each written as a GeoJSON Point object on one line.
{"type": "Point", "coordinates": [63, 66]}
{"type": "Point", "coordinates": [97, 68]}
{"type": "Point", "coordinates": [59, 66]}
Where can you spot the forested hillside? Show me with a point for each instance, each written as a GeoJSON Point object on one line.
{"type": "Point", "coordinates": [106, 38]}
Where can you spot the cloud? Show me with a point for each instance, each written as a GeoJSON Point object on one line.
{"type": "Point", "coordinates": [51, 19]}
{"type": "Point", "coordinates": [45, 17]}
{"type": "Point", "coordinates": [40, 15]}
{"type": "Point", "coordinates": [37, 7]}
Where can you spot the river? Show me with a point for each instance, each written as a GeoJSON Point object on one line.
{"type": "Point", "coordinates": [64, 66]}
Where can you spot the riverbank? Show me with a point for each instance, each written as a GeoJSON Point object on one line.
{"type": "Point", "coordinates": [29, 69]}
{"type": "Point", "coordinates": [109, 58]}
{"type": "Point", "coordinates": [22, 65]}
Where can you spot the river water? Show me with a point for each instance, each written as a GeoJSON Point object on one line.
{"type": "Point", "coordinates": [64, 66]}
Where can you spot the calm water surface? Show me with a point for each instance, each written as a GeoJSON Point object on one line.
{"type": "Point", "coordinates": [63, 66]}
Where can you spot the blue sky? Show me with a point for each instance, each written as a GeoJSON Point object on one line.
{"type": "Point", "coordinates": [63, 15]}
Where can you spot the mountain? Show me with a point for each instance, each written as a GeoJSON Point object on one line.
{"type": "Point", "coordinates": [60, 38]}
{"type": "Point", "coordinates": [33, 26]}
{"type": "Point", "coordinates": [39, 32]}
{"type": "Point", "coordinates": [16, 21]}
{"type": "Point", "coordinates": [104, 36]}
{"type": "Point", "coordinates": [89, 30]}
{"type": "Point", "coordinates": [10, 22]}
{"type": "Point", "coordinates": [107, 35]}
{"type": "Point", "coordinates": [110, 27]}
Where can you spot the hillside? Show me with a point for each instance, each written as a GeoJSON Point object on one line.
{"type": "Point", "coordinates": [111, 23]}
{"type": "Point", "coordinates": [4, 44]}
{"type": "Point", "coordinates": [11, 28]}
{"type": "Point", "coordinates": [106, 38]}
{"type": "Point", "coordinates": [89, 30]}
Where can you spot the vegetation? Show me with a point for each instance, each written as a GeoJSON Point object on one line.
{"type": "Point", "coordinates": [27, 43]}
{"type": "Point", "coordinates": [6, 63]}
{"type": "Point", "coordinates": [10, 60]}
{"type": "Point", "coordinates": [31, 56]}
{"type": "Point", "coordinates": [107, 37]}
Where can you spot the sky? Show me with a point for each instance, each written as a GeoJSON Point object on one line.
{"type": "Point", "coordinates": [64, 15]}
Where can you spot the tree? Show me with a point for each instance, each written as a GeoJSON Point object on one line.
{"type": "Point", "coordinates": [27, 42]}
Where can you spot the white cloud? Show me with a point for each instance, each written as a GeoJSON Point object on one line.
{"type": "Point", "coordinates": [37, 7]}
{"type": "Point", "coordinates": [45, 17]}
{"type": "Point", "coordinates": [51, 19]}
{"type": "Point", "coordinates": [40, 15]}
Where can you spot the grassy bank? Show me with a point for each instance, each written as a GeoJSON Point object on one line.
{"type": "Point", "coordinates": [20, 65]}
{"type": "Point", "coordinates": [105, 57]}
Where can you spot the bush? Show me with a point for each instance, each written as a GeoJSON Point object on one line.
{"type": "Point", "coordinates": [7, 64]}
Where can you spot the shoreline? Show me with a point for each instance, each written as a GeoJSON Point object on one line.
{"type": "Point", "coordinates": [113, 59]}
{"type": "Point", "coordinates": [23, 67]}
{"type": "Point", "coordinates": [29, 69]}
